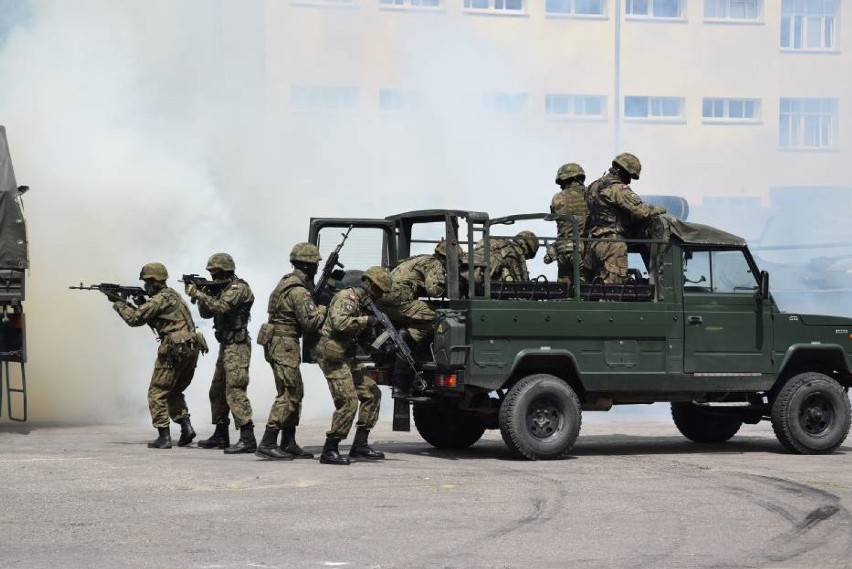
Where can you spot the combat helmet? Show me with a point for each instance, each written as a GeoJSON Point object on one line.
{"type": "Point", "coordinates": [529, 242]}
{"type": "Point", "coordinates": [380, 278]}
{"type": "Point", "coordinates": [220, 262]}
{"type": "Point", "coordinates": [156, 271]}
{"type": "Point", "coordinates": [569, 171]}
{"type": "Point", "coordinates": [441, 250]}
{"type": "Point", "coordinates": [629, 163]}
{"type": "Point", "coordinates": [305, 253]}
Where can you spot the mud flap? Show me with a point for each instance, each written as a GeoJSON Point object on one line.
{"type": "Point", "coordinates": [401, 415]}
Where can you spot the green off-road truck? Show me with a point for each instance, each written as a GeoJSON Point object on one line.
{"type": "Point", "coordinates": [694, 325]}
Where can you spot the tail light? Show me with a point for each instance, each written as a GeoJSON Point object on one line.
{"type": "Point", "coordinates": [446, 380]}
{"type": "Point", "coordinates": [380, 376]}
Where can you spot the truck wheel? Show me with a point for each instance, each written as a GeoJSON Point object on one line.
{"type": "Point", "coordinates": [540, 417]}
{"type": "Point", "coordinates": [445, 426]}
{"type": "Point", "coordinates": [701, 425]}
{"type": "Point", "coordinates": [811, 414]}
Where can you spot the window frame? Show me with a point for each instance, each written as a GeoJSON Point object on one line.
{"type": "Point", "coordinates": [650, 17]}
{"type": "Point", "coordinates": [573, 14]}
{"type": "Point", "coordinates": [713, 272]}
{"type": "Point", "coordinates": [491, 10]}
{"type": "Point", "coordinates": [727, 119]}
{"type": "Point", "coordinates": [406, 6]}
{"type": "Point", "coordinates": [572, 99]}
{"type": "Point", "coordinates": [800, 130]}
{"type": "Point", "coordinates": [728, 19]}
{"type": "Point", "coordinates": [787, 24]}
{"type": "Point", "coordinates": [650, 117]}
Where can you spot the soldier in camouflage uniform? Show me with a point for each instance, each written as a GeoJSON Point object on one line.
{"type": "Point", "coordinates": [613, 210]}
{"type": "Point", "coordinates": [345, 322]}
{"type": "Point", "coordinates": [421, 275]}
{"type": "Point", "coordinates": [508, 257]}
{"type": "Point", "coordinates": [570, 200]}
{"type": "Point", "coordinates": [229, 307]}
{"type": "Point", "coordinates": [168, 315]}
{"type": "Point", "coordinates": [291, 313]}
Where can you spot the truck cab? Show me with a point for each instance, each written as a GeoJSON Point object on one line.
{"type": "Point", "coordinates": [694, 324]}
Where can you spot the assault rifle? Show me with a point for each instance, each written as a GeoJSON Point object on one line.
{"type": "Point", "coordinates": [391, 333]}
{"type": "Point", "coordinates": [204, 285]}
{"type": "Point", "coordinates": [117, 291]}
{"type": "Point", "coordinates": [330, 268]}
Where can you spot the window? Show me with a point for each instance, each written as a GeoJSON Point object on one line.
{"type": "Point", "coordinates": [574, 7]}
{"type": "Point", "coordinates": [655, 8]}
{"type": "Point", "coordinates": [731, 110]}
{"type": "Point", "coordinates": [733, 10]}
{"type": "Point", "coordinates": [717, 272]}
{"type": "Point", "coordinates": [654, 108]}
{"type": "Point", "coordinates": [323, 97]}
{"type": "Point", "coordinates": [410, 3]}
{"type": "Point", "coordinates": [397, 100]}
{"type": "Point", "coordinates": [574, 106]}
{"type": "Point", "coordinates": [807, 123]}
{"type": "Point", "coordinates": [809, 25]}
{"type": "Point", "coordinates": [497, 6]}
{"type": "Point", "coordinates": [505, 103]}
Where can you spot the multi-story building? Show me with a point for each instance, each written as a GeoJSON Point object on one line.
{"type": "Point", "coordinates": [717, 97]}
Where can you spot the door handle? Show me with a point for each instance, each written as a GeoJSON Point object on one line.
{"type": "Point", "coordinates": [695, 320]}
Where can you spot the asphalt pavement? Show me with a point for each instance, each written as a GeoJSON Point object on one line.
{"type": "Point", "coordinates": [633, 494]}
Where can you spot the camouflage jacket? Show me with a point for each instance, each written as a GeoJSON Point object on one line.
{"type": "Point", "coordinates": [291, 307]}
{"type": "Point", "coordinates": [422, 275]}
{"type": "Point", "coordinates": [346, 317]}
{"type": "Point", "coordinates": [570, 200]}
{"type": "Point", "coordinates": [165, 312]}
{"type": "Point", "coordinates": [614, 207]}
{"type": "Point", "coordinates": [507, 260]}
{"type": "Point", "coordinates": [230, 311]}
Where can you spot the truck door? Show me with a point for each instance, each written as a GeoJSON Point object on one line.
{"type": "Point", "coordinates": [369, 242]}
{"type": "Point", "coordinates": [727, 329]}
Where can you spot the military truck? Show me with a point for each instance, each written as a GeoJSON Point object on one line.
{"type": "Point", "coordinates": [694, 325]}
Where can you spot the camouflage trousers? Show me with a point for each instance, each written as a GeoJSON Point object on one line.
{"type": "Point", "coordinates": [230, 380]}
{"type": "Point", "coordinates": [349, 387]}
{"type": "Point", "coordinates": [607, 260]}
{"type": "Point", "coordinates": [283, 355]}
{"type": "Point", "coordinates": [165, 394]}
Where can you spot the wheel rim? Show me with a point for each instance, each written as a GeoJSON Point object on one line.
{"type": "Point", "coordinates": [543, 418]}
{"type": "Point", "coordinates": [816, 414]}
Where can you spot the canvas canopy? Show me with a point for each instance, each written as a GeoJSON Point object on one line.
{"type": "Point", "coordinates": [698, 234]}
{"type": "Point", "coordinates": [13, 234]}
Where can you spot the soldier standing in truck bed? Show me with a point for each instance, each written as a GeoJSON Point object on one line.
{"type": "Point", "coordinates": [229, 308]}
{"type": "Point", "coordinates": [570, 200]}
{"type": "Point", "coordinates": [613, 209]}
{"type": "Point", "coordinates": [168, 315]}
{"type": "Point", "coordinates": [291, 313]}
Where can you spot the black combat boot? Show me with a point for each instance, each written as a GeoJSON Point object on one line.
{"type": "Point", "coordinates": [163, 441]}
{"type": "Point", "coordinates": [268, 447]}
{"type": "Point", "coordinates": [220, 439]}
{"type": "Point", "coordinates": [187, 433]}
{"type": "Point", "coordinates": [289, 446]}
{"type": "Point", "coordinates": [330, 454]}
{"type": "Point", "coordinates": [247, 442]}
{"type": "Point", "coordinates": [362, 449]}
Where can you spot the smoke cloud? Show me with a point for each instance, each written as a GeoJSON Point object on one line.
{"type": "Point", "coordinates": [154, 131]}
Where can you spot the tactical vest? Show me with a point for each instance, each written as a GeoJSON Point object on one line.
{"type": "Point", "coordinates": [571, 201]}
{"type": "Point", "coordinates": [604, 218]}
{"type": "Point", "coordinates": [175, 317]}
{"type": "Point", "coordinates": [281, 313]}
{"type": "Point", "coordinates": [232, 327]}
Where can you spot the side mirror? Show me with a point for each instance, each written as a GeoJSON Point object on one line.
{"type": "Point", "coordinates": [763, 292]}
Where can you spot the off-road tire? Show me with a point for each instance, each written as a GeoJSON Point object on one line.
{"type": "Point", "coordinates": [701, 425]}
{"type": "Point", "coordinates": [443, 425]}
{"type": "Point", "coordinates": [811, 414]}
{"type": "Point", "coordinates": [540, 417]}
